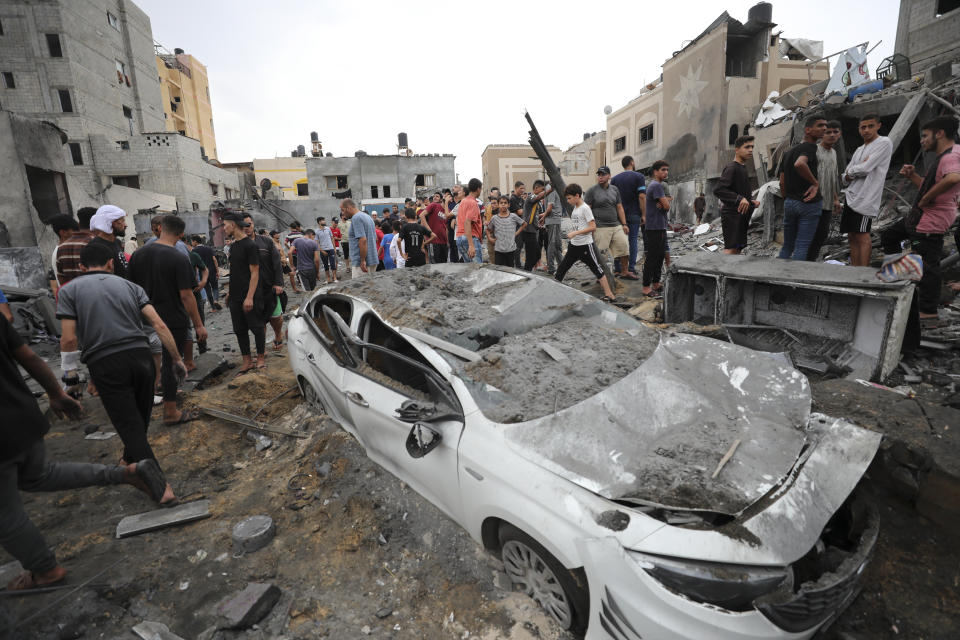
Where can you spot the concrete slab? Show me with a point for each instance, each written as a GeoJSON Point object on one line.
{"type": "Point", "coordinates": [209, 364]}
{"type": "Point", "coordinates": [163, 518]}
{"type": "Point", "coordinates": [154, 631]}
{"type": "Point", "coordinates": [249, 606]}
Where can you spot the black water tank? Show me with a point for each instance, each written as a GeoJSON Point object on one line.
{"type": "Point", "coordinates": [402, 139]}
{"type": "Point", "coordinates": [761, 12]}
{"type": "Point", "coordinates": [314, 137]}
{"type": "Point", "coordinates": [586, 136]}
{"type": "Point", "coordinates": [178, 52]}
{"type": "Point", "coordinates": [293, 154]}
{"type": "Point", "coordinates": [301, 151]}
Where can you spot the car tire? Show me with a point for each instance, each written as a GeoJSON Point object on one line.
{"type": "Point", "coordinates": [560, 592]}
{"type": "Point", "coordinates": [311, 397]}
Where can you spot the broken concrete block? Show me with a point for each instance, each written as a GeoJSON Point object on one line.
{"type": "Point", "coordinates": [154, 631]}
{"type": "Point", "coordinates": [552, 351]}
{"type": "Point", "coordinates": [163, 518]}
{"type": "Point", "coordinates": [248, 607]}
{"type": "Point", "coordinates": [253, 533]}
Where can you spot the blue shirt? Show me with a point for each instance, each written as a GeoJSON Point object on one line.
{"type": "Point", "coordinates": [3, 298]}
{"type": "Point", "coordinates": [656, 217]}
{"type": "Point", "coordinates": [631, 184]}
{"type": "Point", "coordinates": [385, 243]}
{"type": "Point", "coordinates": [361, 226]}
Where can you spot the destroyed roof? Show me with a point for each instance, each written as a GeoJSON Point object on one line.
{"type": "Point", "coordinates": [735, 28]}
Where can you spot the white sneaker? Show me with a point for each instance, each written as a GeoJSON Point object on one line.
{"type": "Point", "coordinates": [157, 401]}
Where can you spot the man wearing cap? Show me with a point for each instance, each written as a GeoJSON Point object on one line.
{"type": "Point", "coordinates": [611, 235]}
{"type": "Point", "coordinates": [109, 224]}
{"type": "Point", "coordinates": [244, 296]}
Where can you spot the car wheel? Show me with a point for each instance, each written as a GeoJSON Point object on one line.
{"type": "Point", "coordinates": [541, 576]}
{"type": "Point", "coordinates": [312, 398]}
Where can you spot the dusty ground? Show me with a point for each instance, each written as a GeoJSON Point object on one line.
{"type": "Point", "coordinates": [358, 542]}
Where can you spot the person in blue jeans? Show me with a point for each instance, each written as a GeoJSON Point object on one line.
{"type": "Point", "coordinates": [633, 195]}
{"type": "Point", "coordinates": [801, 191]}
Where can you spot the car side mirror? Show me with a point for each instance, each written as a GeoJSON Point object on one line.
{"type": "Point", "coordinates": [422, 440]}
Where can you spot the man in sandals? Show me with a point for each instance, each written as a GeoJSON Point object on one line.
{"type": "Point", "coordinates": [167, 277]}
{"type": "Point", "coordinates": [23, 464]}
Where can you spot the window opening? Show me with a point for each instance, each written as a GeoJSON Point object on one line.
{"type": "Point", "coordinates": [302, 189]}
{"type": "Point", "coordinates": [620, 144]}
{"type": "Point", "coordinates": [76, 154]}
{"type": "Point", "coordinates": [53, 45]}
{"type": "Point", "coordinates": [66, 104]}
{"type": "Point", "coordinates": [646, 134]}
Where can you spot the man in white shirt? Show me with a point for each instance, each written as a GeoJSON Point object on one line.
{"type": "Point", "coordinates": [864, 177]}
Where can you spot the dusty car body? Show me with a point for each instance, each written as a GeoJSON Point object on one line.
{"type": "Point", "coordinates": [636, 484]}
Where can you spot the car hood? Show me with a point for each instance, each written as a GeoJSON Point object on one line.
{"type": "Point", "coordinates": [658, 436]}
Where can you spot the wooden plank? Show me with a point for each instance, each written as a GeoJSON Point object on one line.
{"type": "Point", "coordinates": [250, 424]}
{"type": "Point", "coordinates": [163, 518]}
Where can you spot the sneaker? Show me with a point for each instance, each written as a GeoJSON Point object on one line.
{"type": "Point", "coordinates": [157, 401]}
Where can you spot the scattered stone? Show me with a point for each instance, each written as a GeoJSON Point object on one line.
{"type": "Point", "coordinates": [253, 533]}
{"type": "Point", "coordinates": [90, 428]}
{"type": "Point", "coordinates": [262, 442]}
{"type": "Point", "coordinates": [384, 612]}
{"type": "Point", "coordinates": [100, 435]}
{"type": "Point", "coordinates": [71, 630]}
{"type": "Point", "coordinates": [552, 351]}
{"type": "Point", "coordinates": [163, 518]}
{"type": "Point", "coordinates": [248, 607]}
{"type": "Point", "coordinates": [502, 581]}
{"type": "Point", "coordinates": [323, 470]}
{"type": "Point", "coordinates": [147, 630]}
{"type": "Point", "coordinates": [365, 629]}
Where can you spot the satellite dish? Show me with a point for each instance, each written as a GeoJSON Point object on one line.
{"type": "Point", "coordinates": [265, 184]}
{"type": "Point", "coordinates": [607, 110]}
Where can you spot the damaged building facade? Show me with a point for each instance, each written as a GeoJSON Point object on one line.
{"type": "Point", "coordinates": [505, 164]}
{"type": "Point", "coordinates": [706, 97]}
{"type": "Point", "coordinates": [90, 69]}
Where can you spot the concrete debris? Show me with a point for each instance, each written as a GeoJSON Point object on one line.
{"type": "Point", "coordinates": [248, 607]}
{"type": "Point", "coordinates": [253, 533]}
{"type": "Point", "coordinates": [261, 441]}
{"type": "Point", "coordinates": [100, 435]}
{"type": "Point", "coordinates": [247, 422]}
{"type": "Point", "coordinates": [163, 518]}
{"type": "Point", "coordinates": [147, 630]}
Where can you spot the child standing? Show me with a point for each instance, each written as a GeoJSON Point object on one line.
{"type": "Point", "coordinates": [388, 262]}
{"type": "Point", "coordinates": [581, 247]}
{"type": "Point", "coordinates": [502, 231]}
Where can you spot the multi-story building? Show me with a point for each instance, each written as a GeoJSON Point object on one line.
{"type": "Point", "coordinates": [287, 176]}
{"type": "Point", "coordinates": [505, 164]}
{"type": "Point", "coordinates": [581, 161]}
{"type": "Point", "coordinates": [927, 33]}
{"type": "Point", "coordinates": [707, 96]}
{"type": "Point", "coordinates": [89, 67]}
{"type": "Point", "coordinates": [185, 91]}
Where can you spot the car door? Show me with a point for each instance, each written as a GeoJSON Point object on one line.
{"type": "Point", "coordinates": [326, 361]}
{"type": "Point", "coordinates": [377, 388]}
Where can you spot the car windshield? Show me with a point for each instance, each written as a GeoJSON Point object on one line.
{"type": "Point", "coordinates": [543, 346]}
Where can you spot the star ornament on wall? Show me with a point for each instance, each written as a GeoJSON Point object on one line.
{"type": "Point", "coordinates": [689, 95]}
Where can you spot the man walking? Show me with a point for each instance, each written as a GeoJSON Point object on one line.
{"type": "Point", "coordinates": [470, 224]}
{"type": "Point", "coordinates": [23, 463]}
{"type": "Point", "coordinates": [271, 281]}
{"type": "Point", "coordinates": [828, 173]}
{"type": "Point", "coordinates": [67, 266]}
{"type": "Point", "coordinates": [937, 206]}
{"type": "Point", "coordinates": [305, 255]}
{"type": "Point", "coordinates": [327, 250]}
{"type": "Point", "coordinates": [292, 236]}
{"type": "Point", "coordinates": [106, 314]}
{"type": "Point", "coordinates": [244, 298]}
{"type": "Point", "coordinates": [801, 190]}
{"type": "Point", "coordinates": [655, 223]}
{"type": "Point", "coordinates": [167, 277]}
{"type": "Point", "coordinates": [209, 257]}
{"type": "Point", "coordinates": [864, 177]}
{"type": "Point", "coordinates": [108, 225]}
{"type": "Point", "coordinates": [633, 196]}
{"type": "Point", "coordinates": [363, 239]}
{"type": "Point", "coordinates": [611, 234]}
{"type": "Point", "coordinates": [733, 190]}
{"type": "Point", "coordinates": [580, 247]}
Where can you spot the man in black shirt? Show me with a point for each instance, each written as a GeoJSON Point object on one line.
{"type": "Point", "coordinates": [271, 281]}
{"type": "Point", "coordinates": [167, 277]}
{"type": "Point", "coordinates": [733, 190]}
{"type": "Point", "coordinates": [414, 236]}
{"type": "Point", "coordinates": [209, 257]}
{"type": "Point", "coordinates": [801, 190]}
{"type": "Point", "coordinates": [109, 224]}
{"type": "Point", "coordinates": [23, 464]}
{"type": "Point", "coordinates": [245, 298]}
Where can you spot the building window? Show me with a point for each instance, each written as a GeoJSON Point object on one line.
{"type": "Point", "coordinates": [302, 189]}
{"type": "Point", "coordinates": [425, 180]}
{"type": "Point", "coordinates": [214, 189]}
{"type": "Point", "coordinates": [8, 82]}
{"type": "Point", "coordinates": [123, 145]}
{"type": "Point", "coordinates": [646, 134]}
{"type": "Point", "coordinates": [112, 21]}
{"type": "Point", "coordinates": [620, 144]}
{"type": "Point", "coordinates": [128, 116]}
{"type": "Point", "coordinates": [946, 6]}
{"type": "Point", "coordinates": [336, 182]}
{"type": "Point", "coordinates": [386, 191]}
{"type": "Point", "coordinates": [122, 77]}
{"type": "Point", "coordinates": [228, 193]}
{"type": "Point", "coordinates": [1, 27]}
{"type": "Point", "coordinates": [195, 206]}
{"type": "Point", "coordinates": [76, 154]}
{"type": "Point", "coordinates": [374, 192]}
{"type": "Point", "coordinates": [66, 104]}
{"type": "Point", "coordinates": [132, 182]}
{"type": "Point", "coordinates": [207, 89]}
{"type": "Point", "coordinates": [734, 133]}
{"type": "Point", "coordinates": [48, 190]}
{"type": "Point", "coordinates": [53, 45]}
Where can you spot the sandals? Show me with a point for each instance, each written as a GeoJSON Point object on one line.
{"type": "Point", "coordinates": [186, 415]}
{"type": "Point", "coordinates": [27, 580]}
{"type": "Point", "coordinates": [277, 345]}
{"type": "Point", "coordinates": [609, 299]}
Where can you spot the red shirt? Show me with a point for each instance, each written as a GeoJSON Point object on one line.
{"type": "Point", "coordinates": [379, 245]}
{"type": "Point", "coordinates": [469, 211]}
{"type": "Point", "coordinates": [437, 221]}
{"type": "Point", "coordinates": [335, 232]}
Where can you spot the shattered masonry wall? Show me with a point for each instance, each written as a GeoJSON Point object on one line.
{"type": "Point", "coordinates": [925, 38]}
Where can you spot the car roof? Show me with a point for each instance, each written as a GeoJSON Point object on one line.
{"type": "Point", "coordinates": [543, 345]}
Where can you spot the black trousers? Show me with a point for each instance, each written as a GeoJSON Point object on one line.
{"type": "Point", "coordinates": [124, 381]}
{"type": "Point", "coordinates": [930, 248]}
{"type": "Point", "coordinates": [168, 379]}
{"type": "Point", "coordinates": [820, 235]}
{"type": "Point", "coordinates": [503, 258]}
{"type": "Point", "coordinates": [248, 321]}
{"type": "Point", "coordinates": [439, 253]}
{"type": "Point", "coordinates": [203, 319]}
{"type": "Point", "coordinates": [531, 250]}
{"type": "Point", "coordinates": [653, 242]}
{"type": "Point", "coordinates": [585, 253]}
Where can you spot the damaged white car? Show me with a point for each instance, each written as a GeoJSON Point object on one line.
{"type": "Point", "coordinates": [636, 484]}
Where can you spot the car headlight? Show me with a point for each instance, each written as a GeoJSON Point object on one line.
{"type": "Point", "coordinates": [733, 587]}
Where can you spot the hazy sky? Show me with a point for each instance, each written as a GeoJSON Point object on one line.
{"type": "Point", "coordinates": [455, 76]}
